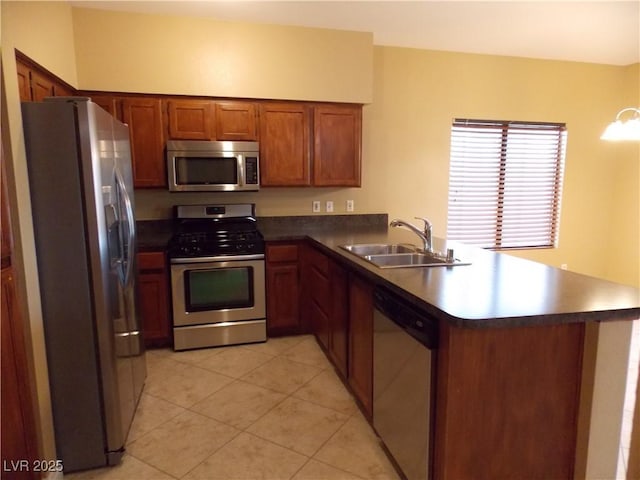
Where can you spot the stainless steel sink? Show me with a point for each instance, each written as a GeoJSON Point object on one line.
{"type": "Point", "coordinates": [363, 249]}
{"type": "Point", "coordinates": [405, 260]}
{"type": "Point", "coordinates": [400, 256]}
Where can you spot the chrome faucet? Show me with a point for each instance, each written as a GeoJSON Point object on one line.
{"type": "Point", "coordinates": [425, 235]}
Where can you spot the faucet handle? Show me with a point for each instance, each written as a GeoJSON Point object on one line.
{"type": "Point", "coordinates": [427, 223]}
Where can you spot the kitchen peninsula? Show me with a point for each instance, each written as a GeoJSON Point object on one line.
{"type": "Point", "coordinates": [514, 367]}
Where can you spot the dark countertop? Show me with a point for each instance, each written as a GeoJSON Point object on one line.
{"type": "Point", "coordinates": [496, 290]}
{"type": "Point", "coordinates": [154, 234]}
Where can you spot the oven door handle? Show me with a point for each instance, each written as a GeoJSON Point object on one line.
{"type": "Point", "coordinates": [221, 258]}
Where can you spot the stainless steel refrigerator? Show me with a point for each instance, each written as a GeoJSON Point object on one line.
{"type": "Point", "coordinates": [81, 187]}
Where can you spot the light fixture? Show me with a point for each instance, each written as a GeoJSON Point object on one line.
{"type": "Point", "coordinates": [624, 129]}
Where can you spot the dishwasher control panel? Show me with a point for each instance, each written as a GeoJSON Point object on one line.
{"type": "Point", "coordinates": [414, 321]}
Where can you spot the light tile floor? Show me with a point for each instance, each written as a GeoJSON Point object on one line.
{"type": "Point", "coordinates": [273, 410]}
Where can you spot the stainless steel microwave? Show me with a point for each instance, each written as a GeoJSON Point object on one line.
{"type": "Point", "coordinates": [210, 166]}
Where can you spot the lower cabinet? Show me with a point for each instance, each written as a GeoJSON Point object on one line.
{"type": "Point", "coordinates": [153, 298]}
{"type": "Point", "coordinates": [339, 317]}
{"type": "Point", "coordinates": [510, 396]}
{"type": "Point", "coordinates": [361, 341]}
{"type": "Point", "coordinates": [283, 289]}
{"type": "Point", "coordinates": [315, 293]}
{"type": "Point", "coordinates": [335, 308]}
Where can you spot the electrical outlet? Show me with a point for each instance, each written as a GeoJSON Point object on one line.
{"type": "Point", "coordinates": [349, 205]}
{"type": "Point", "coordinates": [315, 206]}
{"type": "Point", "coordinates": [564, 266]}
{"type": "Point", "coordinates": [329, 206]}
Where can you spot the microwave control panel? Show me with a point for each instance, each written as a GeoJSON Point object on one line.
{"type": "Point", "coordinates": [251, 170]}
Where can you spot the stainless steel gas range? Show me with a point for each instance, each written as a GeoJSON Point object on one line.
{"type": "Point", "coordinates": [217, 276]}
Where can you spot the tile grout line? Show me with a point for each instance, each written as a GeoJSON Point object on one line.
{"type": "Point", "coordinates": [238, 431]}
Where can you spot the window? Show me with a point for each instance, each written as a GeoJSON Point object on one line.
{"type": "Point", "coordinates": [505, 183]}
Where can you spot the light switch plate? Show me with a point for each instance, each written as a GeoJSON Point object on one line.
{"type": "Point", "coordinates": [315, 206]}
{"type": "Point", "coordinates": [329, 206]}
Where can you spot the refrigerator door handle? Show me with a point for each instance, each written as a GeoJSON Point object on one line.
{"type": "Point", "coordinates": [131, 237]}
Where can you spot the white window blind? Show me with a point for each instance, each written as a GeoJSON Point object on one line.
{"type": "Point", "coordinates": [505, 183]}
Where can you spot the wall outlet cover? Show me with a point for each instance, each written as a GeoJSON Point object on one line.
{"type": "Point", "coordinates": [315, 206]}
{"type": "Point", "coordinates": [349, 205]}
{"type": "Point", "coordinates": [329, 206]}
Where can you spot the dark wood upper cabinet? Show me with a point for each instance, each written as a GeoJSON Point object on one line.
{"type": "Point", "coordinates": [284, 145]}
{"type": "Point", "coordinates": [24, 82]}
{"type": "Point", "coordinates": [109, 103]}
{"type": "Point", "coordinates": [236, 121]}
{"type": "Point", "coordinates": [36, 83]}
{"type": "Point", "coordinates": [191, 119]}
{"type": "Point", "coordinates": [195, 119]}
{"type": "Point", "coordinates": [41, 86]}
{"type": "Point", "coordinates": [337, 145]}
{"type": "Point", "coordinates": [144, 117]}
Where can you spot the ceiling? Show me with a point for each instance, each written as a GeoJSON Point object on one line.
{"type": "Point", "coordinates": [606, 32]}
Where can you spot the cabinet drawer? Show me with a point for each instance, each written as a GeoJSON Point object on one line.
{"type": "Point", "coordinates": [151, 261]}
{"type": "Point", "coordinates": [282, 253]}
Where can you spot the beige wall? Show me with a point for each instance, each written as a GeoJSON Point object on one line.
{"type": "Point", "coordinates": [197, 56]}
{"type": "Point", "coordinates": [43, 31]}
{"type": "Point", "coordinates": [414, 93]}
{"type": "Point", "coordinates": [422, 91]}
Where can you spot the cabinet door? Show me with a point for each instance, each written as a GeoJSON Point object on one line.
{"type": "Point", "coordinates": [144, 117]}
{"type": "Point", "coordinates": [361, 341]}
{"type": "Point", "coordinates": [41, 86]}
{"type": "Point", "coordinates": [236, 121]}
{"type": "Point", "coordinates": [108, 103]}
{"type": "Point", "coordinates": [284, 145]}
{"type": "Point", "coordinates": [6, 238]}
{"type": "Point", "coordinates": [283, 290]}
{"type": "Point", "coordinates": [61, 90]}
{"type": "Point", "coordinates": [337, 146]}
{"type": "Point", "coordinates": [191, 119]}
{"type": "Point", "coordinates": [282, 302]}
{"type": "Point", "coordinates": [18, 424]}
{"type": "Point", "coordinates": [153, 298]}
{"type": "Point", "coordinates": [24, 82]}
{"type": "Point", "coordinates": [339, 318]}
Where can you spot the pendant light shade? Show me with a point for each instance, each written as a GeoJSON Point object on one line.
{"type": "Point", "coordinates": [620, 129]}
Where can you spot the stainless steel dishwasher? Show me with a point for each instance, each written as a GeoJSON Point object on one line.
{"type": "Point", "coordinates": [404, 340]}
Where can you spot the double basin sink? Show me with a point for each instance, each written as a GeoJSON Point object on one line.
{"type": "Point", "coordinates": [400, 256]}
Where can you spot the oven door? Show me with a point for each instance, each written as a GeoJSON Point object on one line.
{"type": "Point", "coordinates": [218, 289]}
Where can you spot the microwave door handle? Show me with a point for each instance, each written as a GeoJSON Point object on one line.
{"type": "Point", "coordinates": [241, 173]}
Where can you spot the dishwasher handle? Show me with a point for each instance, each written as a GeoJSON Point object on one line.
{"type": "Point", "coordinates": [415, 322]}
